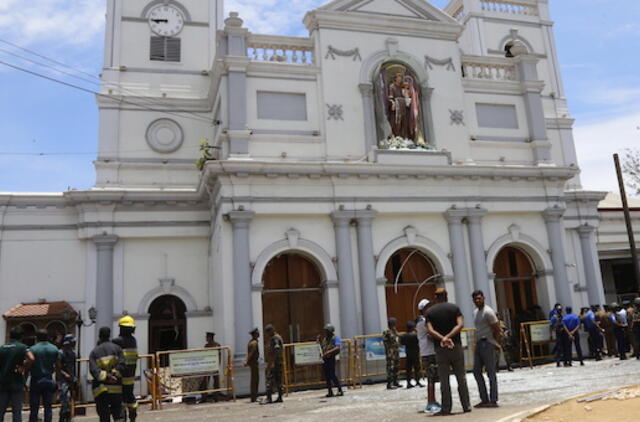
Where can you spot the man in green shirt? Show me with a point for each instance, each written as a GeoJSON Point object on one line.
{"type": "Point", "coordinates": [14, 358]}
{"type": "Point", "coordinates": [47, 361]}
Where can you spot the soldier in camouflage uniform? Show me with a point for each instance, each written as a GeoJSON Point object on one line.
{"type": "Point", "coordinates": [392, 351]}
{"type": "Point", "coordinates": [506, 346]}
{"type": "Point", "coordinates": [607, 326]}
{"type": "Point", "coordinates": [274, 364]}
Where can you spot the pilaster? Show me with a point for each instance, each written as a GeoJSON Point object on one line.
{"type": "Point", "coordinates": [554, 222]}
{"type": "Point", "coordinates": [366, 261]}
{"type": "Point", "coordinates": [595, 290]}
{"type": "Point", "coordinates": [105, 244]}
{"type": "Point", "coordinates": [348, 316]}
{"type": "Point", "coordinates": [478, 255]}
{"type": "Point", "coordinates": [242, 303]}
{"type": "Point", "coordinates": [459, 257]}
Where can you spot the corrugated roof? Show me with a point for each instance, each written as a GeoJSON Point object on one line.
{"type": "Point", "coordinates": [40, 310]}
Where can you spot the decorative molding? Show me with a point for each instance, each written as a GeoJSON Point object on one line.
{"type": "Point", "coordinates": [164, 135]}
{"type": "Point", "coordinates": [532, 248]}
{"type": "Point", "coordinates": [426, 245]}
{"type": "Point", "coordinates": [167, 286]}
{"type": "Point", "coordinates": [332, 52]}
{"type": "Point", "coordinates": [410, 232]}
{"type": "Point", "coordinates": [429, 61]}
{"type": "Point", "coordinates": [292, 236]}
{"type": "Point", "coordinates": [335, 112]}
{"type": "Point", "coordinates": [514, 231]}
{"type": "Point", "coordinates": [392, 45]}
{"type": "Point", "coordinates": [306, 247]}
{"type": "Point", "coordinates": [457, 117]}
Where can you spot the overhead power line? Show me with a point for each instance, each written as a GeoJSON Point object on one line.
{"type": "Point", "coordinates": [112, 97]}
{"type": "Point", "coordinates": [98, 81]}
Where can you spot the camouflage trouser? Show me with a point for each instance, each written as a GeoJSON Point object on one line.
{"type": "Point", "coordinates": [393, 366]}
{"type": "Point", "coordinates": [274, 379]}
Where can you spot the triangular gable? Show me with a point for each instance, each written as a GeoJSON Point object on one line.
{"type": "Point", "coordinates": [417, 9]}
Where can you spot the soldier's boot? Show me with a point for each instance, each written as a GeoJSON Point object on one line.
{"type": "Point", "coordinates": [395, 382]}
{"type": "Point", "coordinates": [330, 393]}
{"type": "Point", "coordinates": [279, 400]}
{"type": "Point", "coordinates": [340, 392]}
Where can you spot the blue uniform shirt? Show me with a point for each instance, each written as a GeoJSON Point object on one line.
{"type": "Point", "coordinates": [590, 320]}
{"type": "Point", "coordinates": [571, 321]}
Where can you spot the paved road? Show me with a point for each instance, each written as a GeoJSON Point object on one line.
{"type": "Point", "coordinates": [519, 390]}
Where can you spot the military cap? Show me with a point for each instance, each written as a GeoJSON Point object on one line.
{"type": "Point", "coordinates": [391, 321]}
{"type": "Point", "coordinates": [268, 327]}
{"type": "Point", "coordinates": [255, 331]}
{"type": "Point", "coordinates": [330, 328]}
{"type": "Point", "coordinates": [211, 334]}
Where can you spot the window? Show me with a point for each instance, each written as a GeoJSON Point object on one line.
{"type": "Point", "coordinates": [165, 49]}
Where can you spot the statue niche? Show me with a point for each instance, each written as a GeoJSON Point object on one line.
{"type": "Point", "coordinates": [398, 108]}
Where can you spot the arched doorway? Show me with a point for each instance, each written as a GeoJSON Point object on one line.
{"type": "Point", "coordinates": [410, 267]}
{"type": "Point", "coordinates": [292, 298]}
{"type": "Point", "coordinates": [515, 282]}
{"type": "Point", "coordinates": [167, 324]}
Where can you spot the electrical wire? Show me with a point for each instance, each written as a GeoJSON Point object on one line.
{"type": "Point", "coordinates": [112, 97]}
{"type": "Point", "coordinates": [98, 81]}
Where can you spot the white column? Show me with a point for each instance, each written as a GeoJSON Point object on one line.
{"type": "Point", "coordinates": [242, 304]}
{"type": "Point", "coordinates": [366, 261]}
{"type": "Point", "coordinates": [104, 279]}
{"type": "Point", "coordinates": [594, 287]}
{"type": "Point", "coordinates": [555, 227]}
{"type": "Point", "coordinates": [348, 313]}
{"type": "Point", "coordinates": [478, 255]}
{"type": "Point", "coordinates": [459, 257]}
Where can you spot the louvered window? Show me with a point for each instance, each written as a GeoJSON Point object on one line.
{"type": "Point", "coordinates": [165, 49]}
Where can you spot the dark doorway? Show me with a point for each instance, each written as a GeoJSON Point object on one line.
{"type": "Point", "coordinates": [167, 324]}
{"type": "Point", "coordinates": [292, 299]}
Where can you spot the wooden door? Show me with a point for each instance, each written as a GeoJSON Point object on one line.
{"type": "Point", "coordinates": [516, 277]}
{"type": "Point", "coordinates": [292, 300]}
{"type": "Point", "coordinates": [167, 324]}
{"type": "Point", "coordinates": [410, 267]}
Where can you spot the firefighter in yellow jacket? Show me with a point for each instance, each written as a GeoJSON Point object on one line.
{"type": "Point", "coordinates": [106, 364]}
{"type": "Point", "coordinates": [129, 346]}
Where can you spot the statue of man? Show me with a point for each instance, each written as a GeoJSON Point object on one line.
{"type": "Point", "coordinates": [399, 110]}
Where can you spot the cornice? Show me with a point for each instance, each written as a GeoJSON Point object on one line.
{"type": "Point", "coordinates": [392, 25]}
{"type": "Point", "coordinates": [246, 168]}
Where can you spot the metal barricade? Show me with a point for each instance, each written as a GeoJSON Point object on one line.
{"type": "Point", "coordinates": [536, 338]}
{"type": "Point", "coordinates": [182, 373]}
{"type": "Point", "coordinates": [370, 356]}
{"type": "Point", "coordinates": [145, 388]}
{"type": "Point", "coordinates": [303, 367]}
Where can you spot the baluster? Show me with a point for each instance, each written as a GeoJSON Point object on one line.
{"type": "Point", "coordinates": [305, 59]}
{"type": "Point", "coordinates": [265, 54]}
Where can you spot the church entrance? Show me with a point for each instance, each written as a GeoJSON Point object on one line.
{"type": "Point", "coordinates": [292, 299]}
{"type": "Point", "coordinates": [167, 324]}
{"type": "Point", "coordinates": [410, 267]}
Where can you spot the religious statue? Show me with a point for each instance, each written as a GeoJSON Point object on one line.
{"type": "Point", "coordinates": [399, 117]}
{"type": "Point", "coordinates": [400, 109]}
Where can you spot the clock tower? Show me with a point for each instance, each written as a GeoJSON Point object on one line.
{"type": "Point", "coordinates": [156, 77]}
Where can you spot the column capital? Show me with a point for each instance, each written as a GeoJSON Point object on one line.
{"type": "Point", "coordinates": [474, 215]}
{"type": "Point", "coordinates": [342, 217]}
{"type": "Point", "coordinates": [105, 241]}
{"type": "Point", "coordinates": [365, 216]}
{"type": "Point", "coordinates": [455, 215]}
{"type": "Point", "coordinates": [241, 218]}
{"type": "Point", "coordinates": [553, 214]}
{"type": "Point", "coordinates": [585, 230]}
{"type": "Point", "coordinates": [366, 89]}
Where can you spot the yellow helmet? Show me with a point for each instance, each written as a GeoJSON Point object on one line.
{"type": "Point", "coordinates": [127, 321]}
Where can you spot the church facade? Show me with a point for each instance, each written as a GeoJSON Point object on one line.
{"type": "Point", "coordinates": [396, 148]}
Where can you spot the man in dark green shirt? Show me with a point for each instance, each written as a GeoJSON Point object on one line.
{"type": "Point", "coordinates": [14, 358]}
{"type": "Point", "coordinates": [47, 361]}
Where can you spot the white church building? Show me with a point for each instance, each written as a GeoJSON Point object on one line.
{"type": "Point", "coordinates": [397, 143]}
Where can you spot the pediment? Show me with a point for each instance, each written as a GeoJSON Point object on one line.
{"type": "Point", "coordinates": [416, 9]}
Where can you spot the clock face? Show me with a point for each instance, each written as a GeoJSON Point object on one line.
{"type": "Point", "coordinates": [166, 20]}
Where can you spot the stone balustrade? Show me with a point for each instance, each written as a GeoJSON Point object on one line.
{"type": "Point", "coordinates": [279, 49]}
{"type": "Point", "coordinates": [488, 68]}
{"type": "Point", "coordinates": [514, 7]}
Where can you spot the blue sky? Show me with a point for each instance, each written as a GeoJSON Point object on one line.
{"type": "Point", "coordinates": [597, 44]}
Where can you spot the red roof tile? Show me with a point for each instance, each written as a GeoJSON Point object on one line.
{"type": "Point", "coordinates": [40, 310]}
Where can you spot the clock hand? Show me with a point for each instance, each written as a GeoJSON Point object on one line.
{"type": "Point", "coordinates": [160, 20]}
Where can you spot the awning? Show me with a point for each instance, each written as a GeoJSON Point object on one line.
{"type": "Point", "coordinates": [44, 310]}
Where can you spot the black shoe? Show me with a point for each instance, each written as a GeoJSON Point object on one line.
{"type": "Point", "coordinates": [340, 393]}
{"type": "Point", "coordinates": [441, 413]}
{"type": "Point", "coordinates": [422, 385]}
{"type": "Point", "coordinates": [391, 387]}
{"type": "Point", "coordinates": [330, 394]}
{"type": "Point", "coordinates": [409, 385]}
{"type": "Point", "coordinates": [279, 400]}
{"type": "Point", "coordinates": [395, 384]}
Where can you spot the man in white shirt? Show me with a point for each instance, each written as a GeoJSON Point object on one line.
{"type": "Point", "coordinates": [488, 333]}
{"type": "Point", "coordinates": [427, 356]}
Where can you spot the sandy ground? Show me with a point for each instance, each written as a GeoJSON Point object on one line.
{"type": "Point", "coordinates": [520, 391]}
{"type": "Point", "coordinates": [621, 407]}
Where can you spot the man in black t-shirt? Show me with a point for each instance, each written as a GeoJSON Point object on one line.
{"type": "Point", "coordinates": [412, 350]}
{"type": "Point", "coordinates": [444, 322]}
